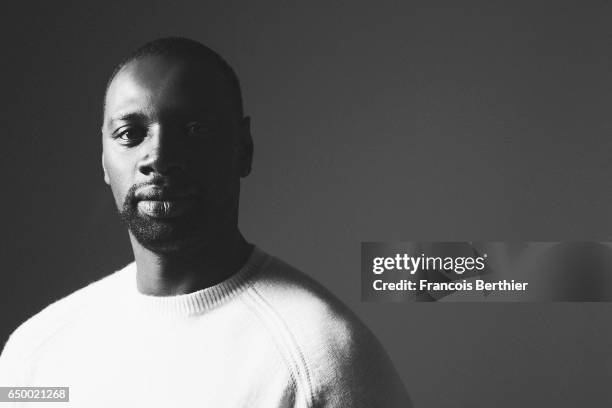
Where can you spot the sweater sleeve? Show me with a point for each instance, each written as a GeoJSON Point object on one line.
{"type": "Point", "coordinates": [11, 363]}
{"type": "Point", "coordinates": [353, 370]}
{"type": "Point", "coordinates": [337, 362]}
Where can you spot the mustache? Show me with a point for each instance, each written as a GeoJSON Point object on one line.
{"type": "Point", "coordinates": [159, 189]}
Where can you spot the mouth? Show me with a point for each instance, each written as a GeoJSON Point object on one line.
{"type": "Point", "coordinates": [159, 203]}
{"type": "Point", "coordinates": [165, 208]}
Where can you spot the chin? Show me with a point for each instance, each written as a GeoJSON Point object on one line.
{"type": "Point", "coordinates": [172, 241]}
{"type": "Point", "coordinates": [171, 244]}
{"type": "Point", "coordinates": [171, 236]}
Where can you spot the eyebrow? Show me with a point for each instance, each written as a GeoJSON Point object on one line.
{"type": "Point", "coordinates": [129, 117]}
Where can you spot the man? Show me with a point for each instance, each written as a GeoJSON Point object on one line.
{"type": "Point", "coordinates": [201, 318]}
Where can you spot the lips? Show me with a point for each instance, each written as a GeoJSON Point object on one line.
{"type": "Point", "coordinates": [164, 203]}
{"type": "Point", "coordinates": [165, 208]}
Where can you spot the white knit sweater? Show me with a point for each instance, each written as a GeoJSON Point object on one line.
{"type": "Point", "coordinates": [267, 337]}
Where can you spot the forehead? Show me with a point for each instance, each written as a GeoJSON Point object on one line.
{"type": "Point", "coordinates": [159, 84]}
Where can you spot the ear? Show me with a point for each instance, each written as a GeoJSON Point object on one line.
{"type": "Point", "coordinates": [106, 178]}
{"type": "Point", "coordinates": [245, 148]}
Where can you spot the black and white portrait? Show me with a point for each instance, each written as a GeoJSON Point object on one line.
{"type": "Point", "coordinates": [187, 188]}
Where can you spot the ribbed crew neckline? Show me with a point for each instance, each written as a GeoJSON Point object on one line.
{"type": "Point", "coordinates": [200, 301]}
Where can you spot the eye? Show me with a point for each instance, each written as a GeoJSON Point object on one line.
{"type": "Point", "coordinates": [130, 135]}
{"type": "Point", "coordinates": [197, 129]}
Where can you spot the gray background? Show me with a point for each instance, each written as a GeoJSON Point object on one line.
{"type": "Point", "coordinates": [395, 121]}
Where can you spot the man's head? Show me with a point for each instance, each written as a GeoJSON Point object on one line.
{"type": "Point", "coordinates": [175, 144]}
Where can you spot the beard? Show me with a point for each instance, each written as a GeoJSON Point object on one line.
{"type": "Point", "coordinates": [162, 235]}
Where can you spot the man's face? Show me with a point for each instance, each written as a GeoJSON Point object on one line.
{"type": "Point", "coordinates": [174, 151]}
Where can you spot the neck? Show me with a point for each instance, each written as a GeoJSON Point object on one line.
{"type": "Point", "coordinates": [186, 271]}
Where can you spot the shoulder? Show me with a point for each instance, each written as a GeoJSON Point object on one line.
{"type": "Point", "coordinates": [300, 300]}
{"type": "Point", "coordinates": [43, 325]}
{"type": "Point", "coordinates": [335, 356]}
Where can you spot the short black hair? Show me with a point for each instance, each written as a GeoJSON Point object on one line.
{"type": "Point", "coordinates": [184, 48]}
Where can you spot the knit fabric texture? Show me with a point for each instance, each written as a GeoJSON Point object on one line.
{"type": "Point", "coordinates": [269, 336]}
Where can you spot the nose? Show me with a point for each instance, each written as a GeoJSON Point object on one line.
{"type": "Point", "coordinates": [164, 153]}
